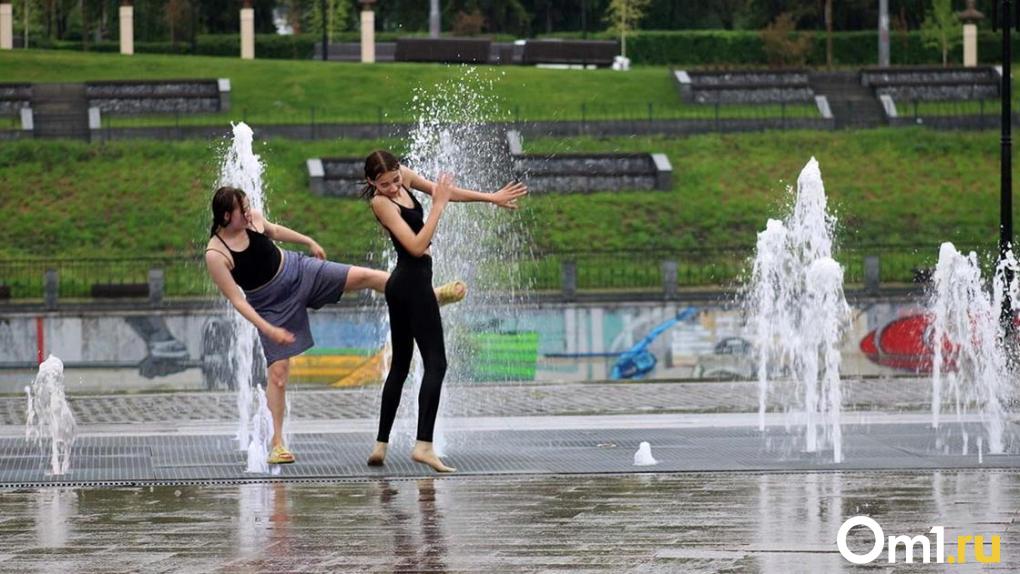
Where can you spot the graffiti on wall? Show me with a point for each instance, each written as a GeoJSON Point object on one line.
{"type": "Point", "coordinates": [544, 343]}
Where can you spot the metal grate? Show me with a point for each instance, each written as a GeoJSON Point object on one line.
{"type": "Point", "coordinates": [215, 458]}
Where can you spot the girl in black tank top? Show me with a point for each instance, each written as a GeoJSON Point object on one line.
{"type": "Point", "coordinates": [279, 288]}
{"type": "Point", "coordinates": [413, 308]}
{"type": "Point", "coordinates": [414, 217]}
{"type": "Point", "coordinates": [256, 265]}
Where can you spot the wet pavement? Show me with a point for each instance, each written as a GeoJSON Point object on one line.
{"type": "Point", "coordinates": [635, 523]}
{"type": "Point", "coordinates": [546, 483]}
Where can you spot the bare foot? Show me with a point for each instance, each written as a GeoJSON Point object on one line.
{"type": "Point", "coordinates": [424, 453]}
{"type": "Point", "coordinates": [378, 455]}
{"type": "Point", "coordinates": [454, 292]}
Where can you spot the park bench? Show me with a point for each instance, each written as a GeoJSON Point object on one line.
{"type": "Point", "coordinates": [570, 52]}
{"type": "Point", "coordinates": [444, 50]}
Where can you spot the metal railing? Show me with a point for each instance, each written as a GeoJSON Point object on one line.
{"type": "Point", "coordinates": [77, 278]}
{"type": "Point", "coordinates": [655, 270]}
{"type": "Point", "coordinates": [629, 112]}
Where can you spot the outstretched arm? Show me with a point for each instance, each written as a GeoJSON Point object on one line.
{"type": "Point", "coordinates": [506, 197]}
{"type": "Point", "coordinates": [278, 232]}
{"type": "Point", "coordinates": [220, 273]}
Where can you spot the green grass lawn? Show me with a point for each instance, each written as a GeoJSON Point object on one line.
{"type": "Point", "coordinates": [286, 91]}
{"type": "Point", "coordinates": [905, 187]}
{"type": "Point", "coordinates": [909, 188]}
{"type": "Point", "coordinates": [989, 108]}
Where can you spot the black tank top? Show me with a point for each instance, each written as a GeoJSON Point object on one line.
{"type": "Point", "coordinates": [257, 264]}
{"type": "Point", "coordinates": [415, 218]}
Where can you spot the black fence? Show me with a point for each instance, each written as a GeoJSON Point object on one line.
{"type": "Point", "coordinates": [635, 271]}
{"type": "Point", "coordinates": [22, 279]}
{"type": "Point", "coordinates": [321, 115]}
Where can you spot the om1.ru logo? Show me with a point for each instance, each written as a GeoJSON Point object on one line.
{"type": "Point", "coordinates": [978, 543]}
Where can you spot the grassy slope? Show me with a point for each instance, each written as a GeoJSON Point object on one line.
{"type": "Point", "coordinates": [886, 186]}
{"type": "Point", "coordinates": [148, 198]}
{"type": "Point", "coordinates": [285, 90]}
{"type": "Point", "coordinates": [151, 198]}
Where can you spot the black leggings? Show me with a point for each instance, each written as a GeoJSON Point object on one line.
{"type": "Point", "coordinates": [414, 318]}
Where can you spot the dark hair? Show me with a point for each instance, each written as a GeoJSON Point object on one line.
{"type": "Point", "coordinates": [223, 203]}
{"type": "Point", "coordinates": [377, 163]}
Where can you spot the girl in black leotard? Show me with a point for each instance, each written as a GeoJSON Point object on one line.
{"type": "Point", "coordinates": [414, 313]}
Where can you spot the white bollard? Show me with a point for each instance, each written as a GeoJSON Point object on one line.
{"type": "Point", "coordinates": [247, 33]}
{"type": "Point", "coordinates": [970, 48]}
{"type": "Point", "coordinates": [127, 29]}
{"type": "Point", "coordinates": [367, 32]}
{"type": "Point", "coordinates": [6, 27]}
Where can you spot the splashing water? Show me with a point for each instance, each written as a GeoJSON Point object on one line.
{"type": "Point", "coordinates": [643, 456]}
{"type": "Point", "coordinates": [970, 364]}
{"type": "Point", "coordinates": [797, 312]}
{"type": "Point", "coordinates": [242, 168]}
{"type": "Point", "coordinates": [826, 318]}
{"type": "Point", "coordinates": [477, 243]}
{"type": "Point", "coordinates": [261, 426]}
{"type": "Point", "coordinates": [48, 416]}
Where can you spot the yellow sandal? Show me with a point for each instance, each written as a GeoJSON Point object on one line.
{"type": "Point", "coordinates": [280, 455]}
{"type": "Point", "coordinates": [451, 292]}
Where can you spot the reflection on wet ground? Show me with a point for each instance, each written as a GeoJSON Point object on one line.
{"type": "Point", "coordinates": [695, 522]}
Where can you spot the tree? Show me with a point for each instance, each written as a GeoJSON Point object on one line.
{"type": "Point", "coordinates": [941, 28]}
{"type": "Point", "coordinates": [336, 17]}
{"type": "Point", "coordinates": [783, 47]}
{"type": "Point", "coordinates": [178, 16]}
{"type": "Point", "coordinates": [29, 20]}
{"type": "Point", "coordinates": [498, 16]}
{"type": "Point", "coordinates": [828, 34]}
{"type": "Point", "coordinates": [728, 11]}
{"type": "Point", "coordinates": [624, 16]}
{"type": "Point", "coordinates": [468, 23]}
{"type": "Point", "coordinates": [295, 15]}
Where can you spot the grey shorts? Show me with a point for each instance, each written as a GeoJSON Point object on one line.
{"type": "Point", "coordinates": [303, 283]}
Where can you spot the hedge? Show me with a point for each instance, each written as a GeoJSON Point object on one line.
{"type": "Point", "coordinates": [727, 48]}
{"type": "Point", "coordinates": [713, 48]}
{"type": "Point", "coordinates": [270, 46]}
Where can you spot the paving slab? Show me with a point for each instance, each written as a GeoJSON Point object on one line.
{"type": "Point", "coordinates": [606, 398]}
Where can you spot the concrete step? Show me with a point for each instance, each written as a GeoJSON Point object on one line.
{"type": "Point", "coordinates": [58, 92]}
{"type": "Point", "coordinates": [57, 107]}
{"type": "Point", "coordinates": [852, 104]}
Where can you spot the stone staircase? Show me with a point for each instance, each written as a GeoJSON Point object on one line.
{"type": "Point", "coordinates": [60, 111]}
{"type": "Point", "coordinates": [853, 106]}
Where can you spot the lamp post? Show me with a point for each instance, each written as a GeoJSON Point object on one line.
{"type": "Point", "coordinates": [433, 18]}
{"type": "Point", "coordinates": [1006, 163]}
{"type": "Point", "coordinates": [325, 32]}
{"type": "Point", "coordinates": [883, 33]}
